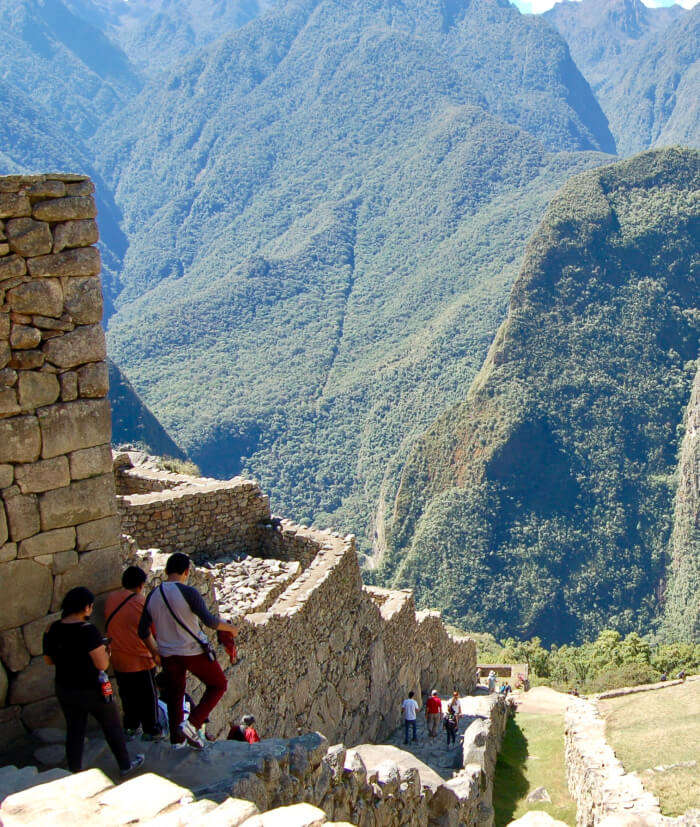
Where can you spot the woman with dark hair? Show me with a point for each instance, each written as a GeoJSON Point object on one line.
{"type": "Point", "coordinates": [77, 649]}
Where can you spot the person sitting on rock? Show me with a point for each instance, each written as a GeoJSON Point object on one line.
{"type": "Point", "coordinates": [237, 732]}
{"type": "Point", "coordinates": [250, 733]}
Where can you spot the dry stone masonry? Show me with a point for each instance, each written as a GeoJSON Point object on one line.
{"type": "Point", "coordinates": [58, 517]}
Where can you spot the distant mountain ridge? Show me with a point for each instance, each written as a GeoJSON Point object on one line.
{"type": "Point", "coordinates": [542, 504]}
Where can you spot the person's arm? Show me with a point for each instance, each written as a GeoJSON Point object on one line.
{"type": "Point", "coordinates": [152, 647]}
{"type": "Point", "coordinates": [196, 602]}
{"type": "Point", "coordinates": [99, 657]}
{"type": "Point", "coordinates": [145, 622]}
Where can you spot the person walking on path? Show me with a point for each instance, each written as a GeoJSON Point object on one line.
{"type": "Point", "coordinates": [174, 610]}
{"type": "Point", "coordinates": [455, 705]}
{"type": "Point", "coordinates": [433, 713]}
{"type": "Point", "coordinates": [410, 710]}
{"type": "Point", "coordinates": [76, 648]}
{"type": "Point", "coordinates": [492, 682]}
{"type": "Point", "coordinates": [134, 660]}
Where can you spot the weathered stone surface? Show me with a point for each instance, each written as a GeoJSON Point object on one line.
{"type": "Point", "coordinates": [4, 684]}
{"type": "Point", "coordinates": [537, 818]}
{"type": "Point", "coordinates": [142, 798]}
{"type": "Point", "coordinates": [84, 344]}
{"type": "Point", "coordinates": [22, 513]}
{"type": "Point", "coordinates": [36, 477]}
{"type": "Point", "coordinates": [47, 189]}
{"type": "Point", "coordinates": [8, 552]}
{"type": "Point", "coordinates": [49, 324]}
{"type": "Point", "coordinates": [8, 402]}
{"type": "Point", "coordinates": [65, 209]}
{"type": "Point", "coordinates": [13, 205]}
{"type": "Point", "coordinates": [63, 561]}
{"type": "Point", "coordinates": [83, 261]}
{"type": "Point", "coordinates": [4, 325]}
{"type": "Point", "coordinates": [33, 633]}
{"type": "Point", "coordinates": [43, 713]}
{"type": "Point", "coordinates": [12, 267]}
{"type": "Point", "coordinates": [48, 542]}
{"type": "Point", "coordinates": [539, 794]}
{"type": "Point", "coordinates": [4, 531]}
{"type": "Point", "coordinates": [7, 474]}
{"type": "Point", "coordinates": [98, 534]}
{"type": "Point", "coordinates": [34, 683]}
{"type": "Point", "coordinates": [24, 337]}
{"type": "Point", "coordinates": [44, 298]}
{"type": "Point", "coordinates": [83, 300]}
{"type": "Point", "coordinates": [80, 233]}
{"type": "Point", "coordinates": [69, 385]}
{"type": "Point", "coordinates": [70, 426]}
{"type": "Point", "coordinates": [85, 187]}
{"type": "Point", "coordinates": [28, 237]}
{"type": "Point", "coordinates": [232, 813]}
{"type": "Point", "coordinates": [37, 390]}
{"type": "Point", "coordinates": [80, 502]}
{"type": "Point", "coordinates": [296, 815]}
{"type": "Point", "coordinates": [93, 380]}
{"type": "Point", "coordinates": [5, 353]}
{"type": "Point", "coordinates": [8, 377]}
{"type": "Point", "coordinates": [90, 462]}
{"type": "Point", "coordinates": [13, 650]}
{"type": "Point", "coordinates": [33, 600]}
{"type": "Point", "coordinates": [26, 359]}
{"type": "Point", "coordinates": [12, 731]}
{"type": "Point", "coordinates": [99, 570]}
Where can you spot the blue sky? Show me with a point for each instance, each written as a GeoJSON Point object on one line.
{"type": "Point", "coordinates": [538, 6]}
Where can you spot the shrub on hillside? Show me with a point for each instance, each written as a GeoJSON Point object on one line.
{"type": "Point", "coordinates": [627, 674]}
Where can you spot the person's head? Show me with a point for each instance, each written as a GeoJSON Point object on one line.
{"type": "Point", "coordinates": [247, 720]}
{"type": "Point", "coordinates": [434, 692]}
{"type": "Point", "coordinates": [178, 563]}
{"type": "Point", "coordinates": [411, 694]}
{"type": "Point", "coordinates": [78, 601]}
{"type": "Point", "coordinates": [133, 578]}
{"type": "Point", "coordinates": [455, 694]}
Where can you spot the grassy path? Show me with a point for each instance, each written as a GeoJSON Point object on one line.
{"type": "Point", "coordinates": [532, 756]}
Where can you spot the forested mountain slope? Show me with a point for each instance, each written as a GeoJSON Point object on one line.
{"type": "Point", "coordinates": [542, 504]}
{"type": "Point", "coordinates": [326, 211]}
{"type": "Point", "coordinates": [643, 65]}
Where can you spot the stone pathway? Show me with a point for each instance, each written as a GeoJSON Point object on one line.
{"type": "Point", "coordinates": [433, 751]}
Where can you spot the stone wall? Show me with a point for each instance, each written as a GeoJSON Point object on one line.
{"type": "Point", "coordinates": [58, 521]}
{"type": "Point", "coordinates": [605, 794]}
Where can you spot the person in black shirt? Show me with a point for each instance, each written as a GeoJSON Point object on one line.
{"type": "Point", "coordinates": [76, 649]}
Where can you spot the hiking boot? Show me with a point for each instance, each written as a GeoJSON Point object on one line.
{"type": "Point", "coordinates": [194, 739]}
{"type": "Point", "coordinates": [135, 764]}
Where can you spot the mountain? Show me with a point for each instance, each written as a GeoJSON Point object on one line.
{"type": "Point", "coordinates": [326, 210]}
{"type": "Point", "coordinates": [542, 503]}
{"type": "Point", "coordinates": [132, 422]}
{"type": "Point", "coordinates": [643, 65]}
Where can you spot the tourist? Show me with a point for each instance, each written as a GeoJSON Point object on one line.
{"type": "Point", "coordinates": [681, 675]}
{"type": "Point", "coordinates": [134, 660]}
{"type": "Point", "coordinates": [433, 713]}
{"type": "Point", "coordinates": [455, 705]}
{"type": "Point", "coordinates": [174, 610]}
{"type": "Point", "coordinates": [664, 676]}
{"type": "Point", "coordinates": [492, 682]}
{"type": "Point", "coordinates": [77, 650]}
{"type": "Point", "coordinates": [250, 733]}
{"type": "Point", "coordinates": [236, 732]}
{"type": "Point", "coordinates": [451, 725]}
{"type": "Point", "coordinates": [410, 708]}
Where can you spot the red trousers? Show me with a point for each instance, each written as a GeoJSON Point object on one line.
{"type": "Point", "coordinates": [209, 673]}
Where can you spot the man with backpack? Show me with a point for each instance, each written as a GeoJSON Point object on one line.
{"type": "Point", "coordinates": [175, 610]}
{"type": "Point", "coordinates": [133, 659]}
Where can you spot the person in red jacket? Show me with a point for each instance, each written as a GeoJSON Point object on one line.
{"type": "Point", "coordinates": [433, 713]}
{"type": "Point", "coordinates": [251, 734]}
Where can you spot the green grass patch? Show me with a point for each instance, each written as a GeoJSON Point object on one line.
{"type": "Point", "coordinates": [532, 756]}
{"type": "Point", "coordinates": [659, 728]}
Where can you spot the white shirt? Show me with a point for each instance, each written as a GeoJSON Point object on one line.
{"type": "Point", "coordinates": [410, 707]}
{"type": "Point", "coordinates": [455, 706]}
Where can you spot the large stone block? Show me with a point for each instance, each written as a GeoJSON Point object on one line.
{"type": "Point", "coordinates": [13, 734]}
{"type": "Point", "coordinates": [90, 462]}
{"type": "Point", "coordinates": [9, 405]}
{"type": "Point", "coordinates": [83, 261]}
{"type": "Point", "coordinates": [44, 713]}
{"type": "Point", "coordinates": [43, 298]}
{"type": "Point", "coordinates": [47, 542]}
{"type": "Point", "coordinates": [63, 561]}
{"type": "Point", "coordinates": [81, 233]}
{"type": "Point", "coordinates": [80, 502]}
{"type": "Point", "coordinates": [141, 799]}
{"type": "Point", "coordinates": [5, 353]}
{"type": "Point", "coordinates": [26, 359]}
{"type": "Point", "coordinates": [44, 475]}
{"type": "Point", "coordinates": [4, 684]}
{"type": "Point", "coordinates": [36, 390]}
{"type": "Point", "coordinates": [14, 205]}
{"type": "Point", "coordinates": [28, 237]}
{"type": "Point", "coordinates": [98, 534]}
{"type": "Point", "coordinates": [12, 267]}
{"type": "Point", "coordinates": [28, 590]}
{"type": "Point", "coordinates": [82, 345]}
{"type": "Point", "coordinates": [22, 513]}
{"type": "Point", "coordinates": [93, 380]}
{"type": "Point", "coordinates": [70, 208]}
{"type": "Point", "coordinates": [4, 531]}
{"type": "Point", "coordinates": [85, 187]}
{"type": "Point", "coordinates": [34, 683]}
{"type": "Point", "coordinates": [20, 439]}
{"type": "Point", "coordinates": [47, 189]}
{"type": "Point", "coordinates": [8, 552]}
{"type": "Point", "coordinates": [69, 385]}
{"type": "Point", "coordinates": [83, 300]}
{"type": "Point", "coordinates": [4, 325]}
{"type": "Point", "coordinates": [24, 337]}
{"type": "Point", "coordinates": [70, 426]}
{"type": "Point", "coordinates": [33, 633]}
{"type": "Point", "coordinates": [100, 571]}
{"type": "Point", "coordinates": [13, 651]}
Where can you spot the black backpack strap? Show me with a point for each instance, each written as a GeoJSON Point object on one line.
{"type": "Point", "coordinates": [177, 619]}
{"type": "Point", "coordinates": [123, 603]}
